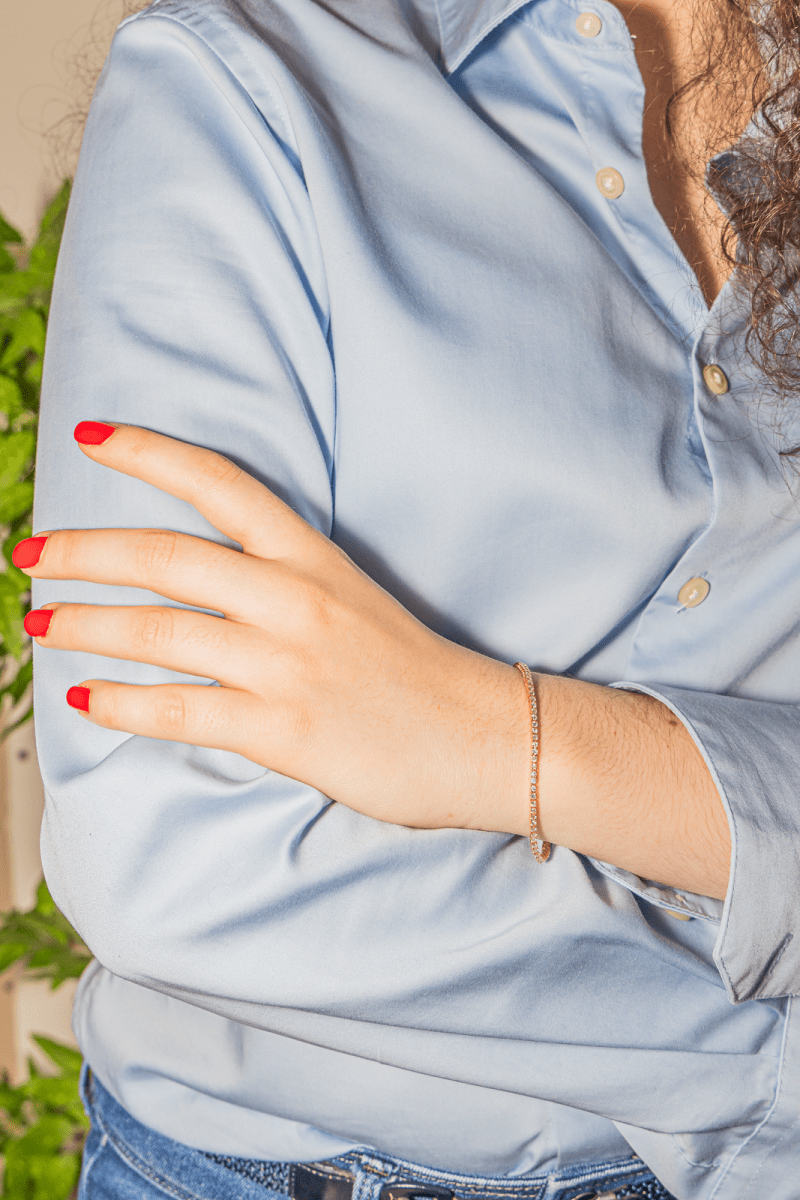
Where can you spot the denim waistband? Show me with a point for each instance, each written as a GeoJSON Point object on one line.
{"type": "Point", "coordinates": [181, 1170]}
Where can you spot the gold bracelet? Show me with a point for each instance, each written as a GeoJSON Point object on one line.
{"type": "Point", "coordinates": [541, 855]}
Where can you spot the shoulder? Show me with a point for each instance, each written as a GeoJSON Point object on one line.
{"type": "Point", "coordinates": [228, 55]}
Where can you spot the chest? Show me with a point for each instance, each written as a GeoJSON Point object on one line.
{"type": "Point", "coordinates": [526, 452]}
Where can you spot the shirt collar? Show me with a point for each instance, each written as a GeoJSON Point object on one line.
{"type": "Point", "coordinates": [463, 24]}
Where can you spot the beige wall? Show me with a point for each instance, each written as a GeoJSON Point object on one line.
{"type": "Point", "coordinates": [49, 54]}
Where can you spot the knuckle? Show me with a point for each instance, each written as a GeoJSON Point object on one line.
{"type": "Point", "coordinates": [138, 443]}
{"type": "Point", "coordinates": [211, 635]}
{"type": "Point", "coordinates": [293, 698]}
{"type": "Point", "coordinates": [107, 706]}
{"type": "Point", "coordinates": [203, 635]}
{"type": "Point", "coordinates": [151, 629]}
{"type": "Point", "coordinates": [170, 710]}
{"type": "Point", "coordinates": [216, 471]}
{"type": "Point", "coordinates": [300, 726]}
{"type": "Point", "coordinates": [155, 550]}
{"type": "Point", "coordinates": [312, 606]}
{"type": "Point", "coordinates": [65, 547]}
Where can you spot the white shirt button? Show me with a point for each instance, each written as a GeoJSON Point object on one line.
{"type": "Point", "coordinates": [693, 592]}
{"type": "Point", "coordinates": [716, 379]}
{"type": "Point", "coordinates": [610, 182]}
{"type": "Point", "coordinates": [588, 24]}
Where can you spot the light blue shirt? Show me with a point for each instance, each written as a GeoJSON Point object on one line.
{"type": "Point", "coordinates": [361, 250]}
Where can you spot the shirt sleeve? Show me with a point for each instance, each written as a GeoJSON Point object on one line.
{"type": "Point", "coordinates": [191, 299]}
{"type": "Point", "coordinates": [752, 749]}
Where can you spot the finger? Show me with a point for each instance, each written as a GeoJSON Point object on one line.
{"type": "Point", "coordinates": [219, 718]}
{"type": "Point", "coordinates": [176, 639]}
{"type": "Point", "coordinates": [230, 499]}
{"type": "Point", "coordinates": [187, 569]}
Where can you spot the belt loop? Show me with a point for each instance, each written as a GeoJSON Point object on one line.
{"type": "Point", "coordinates": [367, 1185]}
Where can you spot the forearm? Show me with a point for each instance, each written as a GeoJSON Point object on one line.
{"type": "Point", "coordinates": [620, 779]}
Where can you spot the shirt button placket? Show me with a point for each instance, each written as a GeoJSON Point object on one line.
{"type": "Point", "coordinates": [608, 179]}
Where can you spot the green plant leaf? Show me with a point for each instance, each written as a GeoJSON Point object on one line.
{"type": "Point", "coordinates": [65, 1057]}
{"type": "Point", "coordinates": [27, 335]}
{"type": "Point", "coordinates": [11, 953]}
{"type": "Point", "coordinates": [15, 535]}
{"type": "Point", "coordinates": [44, 252]}
{"type": "Point", "coordinates": [15, 501]}
{"type": "Point", "coordinates": [8, 233]}
{"type": "Point", "coordinates": [16, 689]}
{"type": "Point", "coordinates": [52, 222]}
{"type": "Point", "coordinates": [51, 947]}
{"type": "Point", "coordinates": [33, 371]}
{"type": "Point", "coordinates": [16, 451]}
{"type": "Point", "coordinates": [10, 396]}
{"type": "Point", "coordinates": [11, 617]}
{"type": "Point", "coordinates": [52, 1178]}
{"type": "Point", "coordinates": [18, 579]}
{"type": "Point", "coordinates": [42, 1122]}
{"type": "Point", "coordinates": [35, 1167]}
{"type": "Point", "coordinates": [24, 678]}
{"type": "Point", "coordinates": [47, 1136]}
{"type": "Point", "coordinates": [60, 1093]}
{"type": "Point", "coordinates": [45, 904]}
{"type": "Point", "coordinates": [15, 289]}
{"type": "Point", "coordinates": [11, 1099]}
{"type": "Point", "coordinates": [60, 965]}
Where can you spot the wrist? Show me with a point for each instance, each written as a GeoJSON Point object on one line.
{"type": "Point", "coordinates": [496, 744]}
{"type": "Point", "coordinates": [591, 765]}
{"type": "Point", "coordinates": [540, 847]}
{"type": "Point", "coordinates": [621, 780]}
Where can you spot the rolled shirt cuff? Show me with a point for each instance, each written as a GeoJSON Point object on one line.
{"type": "Point", "coordinates": [752, 749]}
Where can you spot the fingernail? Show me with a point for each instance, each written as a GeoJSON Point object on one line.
{"type": "Point", "coordinates": [37, 622]}
{"type": "Point", "coordinates": [92, 433]}
{"type": "Point", "coordinates": [78, 697]}
{"type": "Point", "coordinates": [28, 552]}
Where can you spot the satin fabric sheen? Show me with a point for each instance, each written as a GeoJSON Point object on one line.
{"type": "Point", "coordinates": [361, 251]}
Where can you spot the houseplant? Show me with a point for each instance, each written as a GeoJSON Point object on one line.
{"type": "Point", "coordinates": [42, 1124]}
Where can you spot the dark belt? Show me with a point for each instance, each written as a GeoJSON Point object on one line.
{"type": "Point", "coordinates": [308, 1181]}
{"type": "Point", "coordinates": [313, 1181]}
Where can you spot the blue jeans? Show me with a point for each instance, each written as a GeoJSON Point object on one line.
{"type": "Point", "coordinates": [124, 1160]}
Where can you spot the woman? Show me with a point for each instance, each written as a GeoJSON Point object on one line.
{"type": "Point", "coordinates": [410, 271]}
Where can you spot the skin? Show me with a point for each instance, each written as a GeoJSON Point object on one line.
{"type": "Point", "coordinates": [327, 679]}
{"type": "Point", "coordinates": [667, 58]}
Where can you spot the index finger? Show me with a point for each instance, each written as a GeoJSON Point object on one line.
{"type": "Point", "coordinates": [230, 499]}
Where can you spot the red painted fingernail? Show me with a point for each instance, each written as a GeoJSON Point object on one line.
{"type": "Point", "coordinates": [37, 622]}
{"type": "Point", "coordinates": [92, 433]}
{"type": "Point", "coordinates": [78, 697]}
{"type": "Point", "coordinates": [28, 552]}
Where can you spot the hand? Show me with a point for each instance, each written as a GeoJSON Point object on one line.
{"type": "Point", "coordinates": [324, 676]}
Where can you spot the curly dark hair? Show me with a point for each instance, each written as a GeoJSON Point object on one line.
{"type": "Point", "coordinates": [748, 59]}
